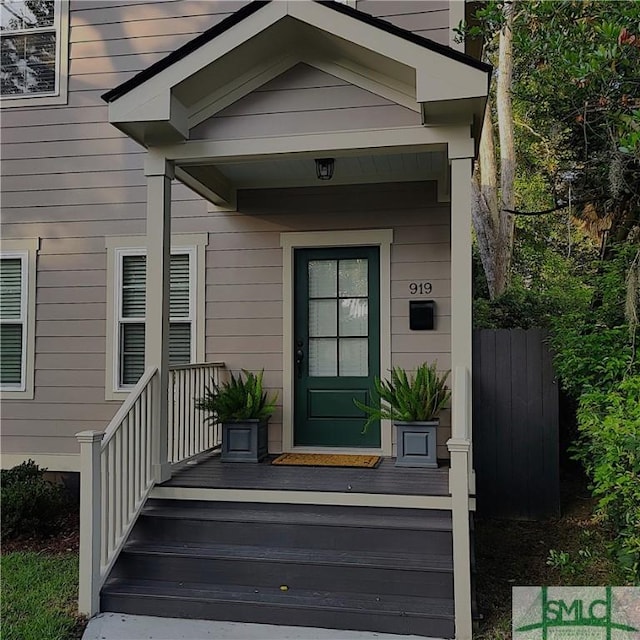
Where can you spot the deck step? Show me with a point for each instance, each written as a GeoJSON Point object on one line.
{"type": "Point", "coordinates": [296, 526]}
{"type": "Point", "coordinates": [378, 517]}
{"type": "Point", "coordinates": [298, 607]}
{"type": "Point", "coordinates": [363, 568]}
{"type": "Point", "coordinates": [393, 573]}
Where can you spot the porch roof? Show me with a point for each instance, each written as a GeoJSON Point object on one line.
{"type": "Point", "coordinates": [161, 104]}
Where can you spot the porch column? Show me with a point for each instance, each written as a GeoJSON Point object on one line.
{"type": "Point", "coordinates": [159, 174]}
{"type": "Point", "coordinates": [461, 290]}
{"type": "Point", "coordinates": [460, 476]}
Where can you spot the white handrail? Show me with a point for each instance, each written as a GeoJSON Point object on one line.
{"type": "Point", "coordinates": [190, 432]}
{"type": "Point", "coordinates": [127, 404]}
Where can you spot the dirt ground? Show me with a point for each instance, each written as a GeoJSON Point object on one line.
{"type": "Point", "coordinates": [66, 541]}
{"type": "Point", "coordinates": [511, 553]}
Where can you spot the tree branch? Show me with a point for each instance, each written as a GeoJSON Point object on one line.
{"type": "Point", "coordinates": [544, 212]}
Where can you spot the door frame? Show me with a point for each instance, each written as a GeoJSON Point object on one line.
{"type": "Point", "coordinates": [382, 238]}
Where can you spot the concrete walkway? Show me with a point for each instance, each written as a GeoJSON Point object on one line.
{"type": "Point", "coordinates": [117, 626]}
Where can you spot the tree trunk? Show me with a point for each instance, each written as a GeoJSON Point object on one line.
{"type": "Point", "coordinates": [494, 227]}
{"type": "Point", "coordinates": [485, 200]}
{"type": "Point", "coordinates": [507, 153]}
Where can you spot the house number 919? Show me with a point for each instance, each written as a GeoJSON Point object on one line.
{"type": "Point", "coordinates": [420, 288]}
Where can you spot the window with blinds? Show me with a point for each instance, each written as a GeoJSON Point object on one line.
{"type": "Point", "coordinates": [30, 32]}
{"type": "Point", "coordinates": [131, 321]}
{"type": "Point", "coordinates": [12, 322]}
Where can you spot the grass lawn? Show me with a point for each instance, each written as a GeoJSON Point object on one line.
{"type": "Point", "coordinates": [39, 595]}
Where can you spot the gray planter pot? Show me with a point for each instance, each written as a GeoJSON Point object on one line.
{"type": "Point", "coordinates": [416, 444]}
{"type": "Point", "coordinates": [244, 441]}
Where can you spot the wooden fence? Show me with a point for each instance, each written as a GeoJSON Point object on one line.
{"type": "Point", "coordinates": [515, 425]}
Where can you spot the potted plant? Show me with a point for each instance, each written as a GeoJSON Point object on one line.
{"type": "Point", "coordinates": [243, 409]}
{"type": "Point", "coordinates": [413, 403]}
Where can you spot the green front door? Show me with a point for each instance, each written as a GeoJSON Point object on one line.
{"type": "Point", "coordinates": [336, 345]}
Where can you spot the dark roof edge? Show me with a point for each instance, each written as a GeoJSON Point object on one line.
{"type": "Point", "coordinates": [442, 49]}
{"type": "Point", "coordinates": [184, 50]}
{"type": "Point", "coordinates": [256, 5]}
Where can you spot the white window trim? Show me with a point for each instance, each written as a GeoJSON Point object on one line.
{"type": "Point", "coordinates": [60, 95]}
{"type": "Point", "coordinates": [26, 250]}
{"type": "Point", "coordinates": [290, 241]}
{"type": "Point", "coordinates": [118, 246]}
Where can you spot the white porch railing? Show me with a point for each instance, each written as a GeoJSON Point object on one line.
{"type": "Point", "coordinates": [118, 470]}
{"type": "Point", "coordinates": [189, 431]}
{"type": "Point", "coordinates": [116, 476]}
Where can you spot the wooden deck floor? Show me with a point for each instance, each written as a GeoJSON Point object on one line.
{"type": "Point", "coordinates": [206, 471]}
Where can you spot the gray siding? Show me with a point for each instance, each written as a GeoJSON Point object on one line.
{"type": "Point", "coordinates": [72, 179]}
{"type": "Point", "coordinates": [428, 18]}
{"type": "Point", "coordinates": [304, 100]}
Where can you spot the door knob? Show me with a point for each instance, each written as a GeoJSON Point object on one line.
{"type": "Point", "coordinates": [299, 358]}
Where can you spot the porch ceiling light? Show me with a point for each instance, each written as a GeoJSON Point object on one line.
{"type": "Point", "coordinates": [324, 168]}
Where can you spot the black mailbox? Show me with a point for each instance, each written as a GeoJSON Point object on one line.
{"type": "Point", "coordinates": [422, 315]}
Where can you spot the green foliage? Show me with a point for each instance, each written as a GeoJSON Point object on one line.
{"type": "Point", "coordinates": [39, 595]}
{"type": "Point", "coordinates": [568, 566]}
{"type": "Point", "coordinates": [237, 399]}
{"type": "Point", "coordinates": [30, 504]}
{"type": "Point", "coordinates": [575, 101]}
{"type": "Point", "coordinates": [594, 349]}
{"type": "Point", "coordinates": [590, 357]}
{"type": "Point", "coordinates": [609, 449]}
{"type": "Point", "coordinates": [408, 398]}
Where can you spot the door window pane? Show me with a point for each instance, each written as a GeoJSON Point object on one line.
{"type": "Point", "coordinates": [323, 357]}
{"type": "Point", "coordinates": [354, 317]}
{"type": "Point", "coordinates": [322, 319]}
{"type": "Point", "coordinates": [354, 357]}
{"type": "Point", "coordinates": [323, 278]}
{"type": "Point", "coordinates": [353, 277]}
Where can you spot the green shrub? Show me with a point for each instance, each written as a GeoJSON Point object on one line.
{"type": "Point", "coordinates": [609, 449]}
{"type": "Point", "coordinates": [590, 357]}
{"type": "Point", "coordinates": [30, 504]}
{"type": "Point", "coordinates": [26, 471]}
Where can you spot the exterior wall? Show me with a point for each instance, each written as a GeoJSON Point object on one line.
{"type": "Point", "coordinates": [304, 100]}
{"type": "Point", "coordinates": [427, 18]}
{"type": "Point", "coordinates": [70, 178]}
{"type": "Point", "coordinates": [244, 272]}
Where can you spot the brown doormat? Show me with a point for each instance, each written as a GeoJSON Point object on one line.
{"type": "Point", "coordinates": [327, 460]}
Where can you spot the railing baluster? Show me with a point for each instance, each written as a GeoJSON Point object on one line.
{"type": "Point", "coordinates": [135, 480]}
{"type": "Point", "coordinates": [131, 483]}
{"type": "Point", "coordinates": [178, 413]}
{"type": "Point", "coordinates": [111, 499]}
{"type": "Point", "coordinates": [118, 496]}
{"type": "Point", "coordinates": [103, 502]}
{"type": "Point", "coordinates": [194, 438]}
